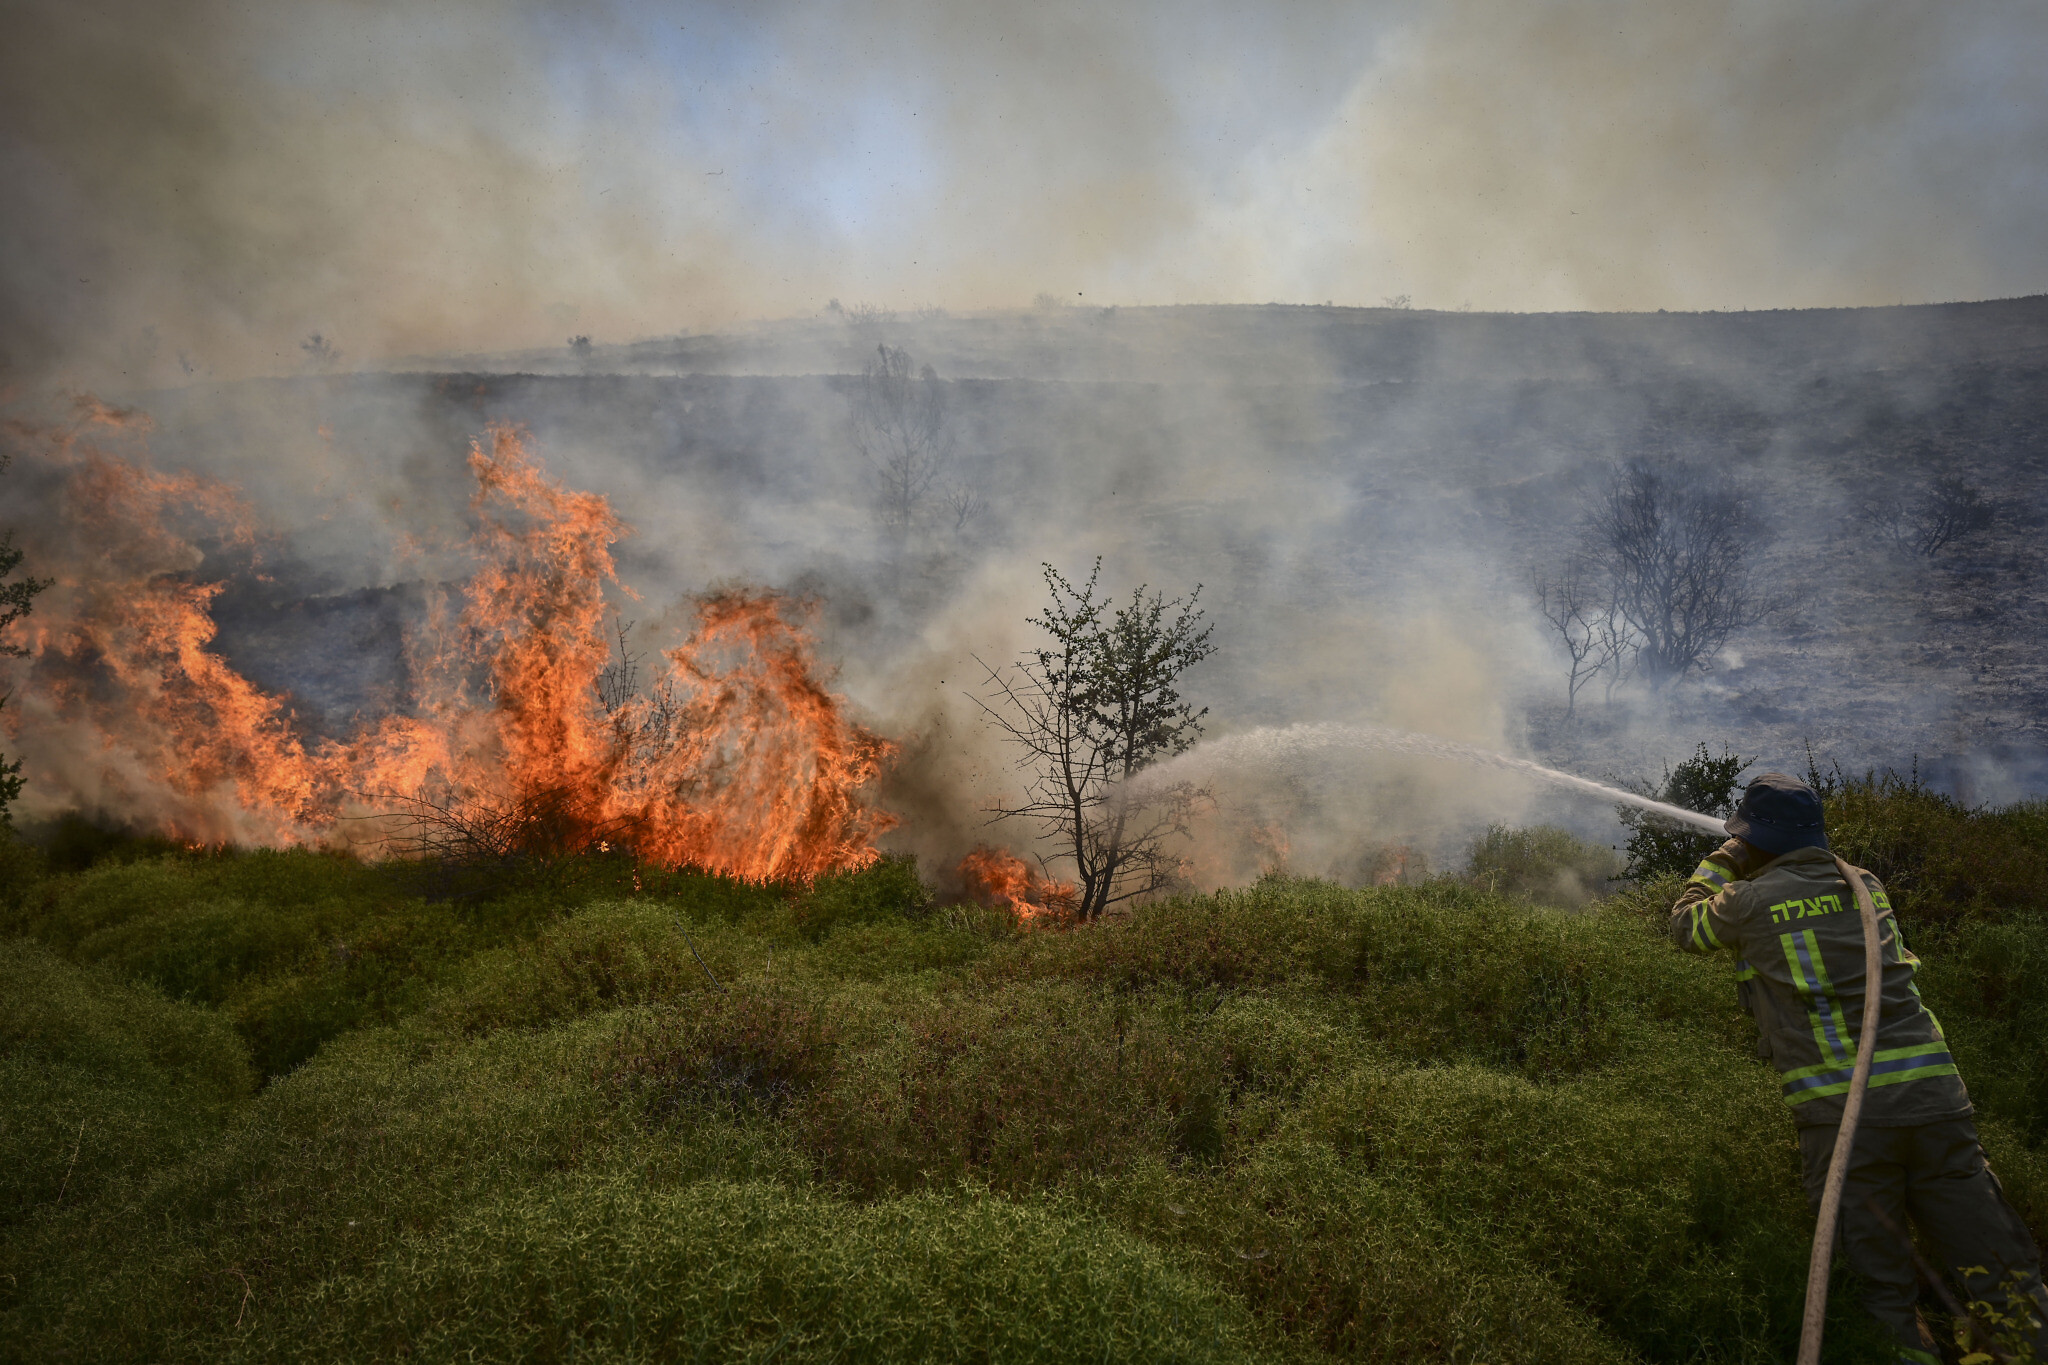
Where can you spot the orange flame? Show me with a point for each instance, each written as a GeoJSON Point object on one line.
{"type": "Point", "coordinates": [995, 877]}
{"type": "Point", "coordinates": [740, 760]}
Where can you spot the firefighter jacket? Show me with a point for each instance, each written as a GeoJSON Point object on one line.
{"type": "Point", "coordinates": [1797, 937]}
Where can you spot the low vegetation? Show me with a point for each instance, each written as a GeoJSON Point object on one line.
{"type": "Point", "coordinates": [285, 1106]}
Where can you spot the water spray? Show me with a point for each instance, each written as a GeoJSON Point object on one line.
{"type": "Point", "coordinates": [1293, 746]}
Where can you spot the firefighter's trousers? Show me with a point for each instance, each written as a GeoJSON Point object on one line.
{"type": "Point", "coordinates": [1932, 1177]}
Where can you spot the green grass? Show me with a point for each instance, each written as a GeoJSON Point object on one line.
{"type": "Point", "coordinates": [101, 1077]}
{"type": "Point", "coordinates": [1292, 1122]}
{"type": "Point", "coordinates": [607, 1269]}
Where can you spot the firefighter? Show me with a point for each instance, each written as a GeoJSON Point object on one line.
{"type": "Point", "coordinates": [1773, 896]}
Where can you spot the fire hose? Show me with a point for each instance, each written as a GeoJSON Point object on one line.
{"type": "Point", "coordinates": [1845, 1135]}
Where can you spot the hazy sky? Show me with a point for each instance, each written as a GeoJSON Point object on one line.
{"type": "Point", "coordinates": [196, 187]}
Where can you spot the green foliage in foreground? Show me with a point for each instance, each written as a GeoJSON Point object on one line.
{"type": "Point", "coordinates": [1292, 1123]}
{"type": "Point", "coordinates": [604, 1268]}
{"type": "Point", "coordinates": [101, 1076]}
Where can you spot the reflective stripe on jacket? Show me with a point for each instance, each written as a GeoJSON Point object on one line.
{"type": "Point", "coordinates": [1792, 924]}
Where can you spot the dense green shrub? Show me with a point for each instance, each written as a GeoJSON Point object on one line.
{"type": "Point", "coordinates": [1437, 969]}
{"type": "Point", "coordinates": [605, 1269]}
{"type": "Point", "coordinates": [22, 869]}
{"type": "Point", "coordinates": [604, 955]}
{"type": "Point", "coordinates": [296, 946]}
{"type": "Point", "coordinates": [1658, 847]}
{"type": "Point", "coordinates": [1273, 931]}
{"type": "Point", "coordinates": [1938, 858]}
{"type": "Point", "coordinates": [1542, 991]}
{"type": "Point", "coordinates": [99, 1078]}
{"type": "Point", "coordinates": [885, 890]}
{"type": "Point", "coordinates": [1405, 1123]}
{"type": "Point", "coordinates": [299, 946]}
{"type": "Point", "coordinates": [380, 1136]}
{"type": "Point", "coordinates": [1988, 984]}
{"type": "Point", "coordinates": [1542, 863]}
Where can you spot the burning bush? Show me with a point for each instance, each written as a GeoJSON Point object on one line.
{"type": "Point", "coordinates": [737, 760]}
{"type": "Point", "coordinates": [998, 879]}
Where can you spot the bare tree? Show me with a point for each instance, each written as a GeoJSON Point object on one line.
{"type": "Point", "coordinates": [899, 424]}
{"type": "Point", "coordinates": [1947, 510]}
{"type": "Point", "coordinates": [1676, 547]}
{"type": "Point", "coordinates": [643, 728]}
{"type": "Point", "coordinates": [961, 505]}
{"type": "Point", "coordinates": [867, 322]}
{"type": "Point", "coordinates": [1090, 710]}
{"type": "Point", "coordinates": [1596, 639]}
{"type": "Point", "coordinates": [321, 353]}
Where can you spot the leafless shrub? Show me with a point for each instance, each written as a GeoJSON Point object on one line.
{"type": "Point", "coordinates": [899, 425]}
{"type": "Point", "coordinates": [868, 322]}
{"type": "Point", "coordinates": [1948, 510]}
{"type": "Point", "coordinates": [321, 353]}
{"type": "Point", "coordinates": [1675, 548]}
{"type": "Point", "coordinates": [1583, 617]}
{"type": "Point", "coordinates": [961, 505]}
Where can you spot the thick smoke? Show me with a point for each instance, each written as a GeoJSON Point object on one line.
{"type": "Point", "coordinates": [196, 188]}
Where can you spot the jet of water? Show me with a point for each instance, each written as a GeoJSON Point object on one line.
{"type": "Point", "coordinates": [1291, 746]}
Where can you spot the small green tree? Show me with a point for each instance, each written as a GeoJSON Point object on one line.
{"type": "Point", "coordinates": [1702, 783]}
{"type": "Point", "coordinates": [16, 600]}
{"type": "Point", "coordinates": [1088, 711]}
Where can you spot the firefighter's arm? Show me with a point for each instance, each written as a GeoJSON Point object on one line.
{"type": "Point", "coordinates": [1700, 921]}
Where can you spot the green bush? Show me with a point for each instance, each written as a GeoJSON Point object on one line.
{"type": "Point", "coordinates": [602, 956]}
{"type": "Point", "coordinates": [1397, 1124]}
{"type": "Point", "coordinates": [1658, 847]}
{"type": "Point", "coordinates": [299, 947]}
{"type": "Point", "coordinates": [381, 1136]}
{"type": "Point", "coordinates": [886, 889]}
{"type": "Point", "coordinates": [872, 952]}
{"type": "Point", "coordinates": [1543, 864]}
{"type": "Point", "coordinates": [1988, 984]}
{"type": "Point", "coordinates": [100, 1078]}
{"type": "Point", "coordinates": [1939, 859]}
{"type": "Point", "coordinates": [296, 946]}
{"type": "Point", "coordinates": [1274, 931]}
{"type": "Point", "coordinates": [1541, 991]}
{"type": "Point", "coordinates": [22, 869]}
{"type": "Point", "coordinates": [608, 1270]}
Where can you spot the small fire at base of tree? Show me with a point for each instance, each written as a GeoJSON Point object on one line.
{"type": "Point", "coordinates": [999, 879]}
